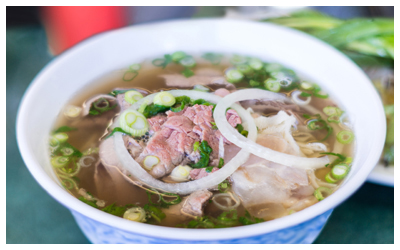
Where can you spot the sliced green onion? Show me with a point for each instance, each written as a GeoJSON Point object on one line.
{"type": "Point", "coordinates": [61, 137]}
{"type": "Point", "coordinates": [177, 56]}
{"type": "Point", "coordinates": [196, 146]}
{"type": "Point", "coordinates": [345, 137]}
{"type": "Point", "coordinates": [142, 107]}
{"type": "Point", "coordinates": [286, 82]}
{"type": "Point", "coordinates": [348, 160]}
{"type": "Point", "coordinates": [334, 118]}
{"type": "Point", "coordinates": [236, 59]}
{"type": "Point", "coordinates": [272, 85]}
{"type": "Point", "coordinates": [234, 75]}
{"type": "Point", "coordinates": [132, 96]}
{"type": "Point", "coordinates": [316, 124]}
{"type": "Point", "coordinates": [329, 110]}
{"type": "Point", "coordinates": [213, 58]}
{"type": "Point", "coordinates": [223, 186]}
{"type": "Point", "coordinates": [245, 69]}
{"type": "Point", "coordinates": [72, 111]}
{"type": "Point", "coordinates": [68, 183]}
{"type": "Point", "coordinates": [321, 94]}
{"type": "Point", "coordinates": [54, 142]}
{"type": "Point", "coordinates": [129, 75]}
{"type": "Point", "coordinates": [59, 161]}
{"type": "Point", "coordinates": [272, 67]}
{"type": "Point", "coordinates": [340, 171]}
{"type": "Point", "coordinates": [255, 63]}
{"type": "Point", "coordinates": [305, 94]}
{"type": "Point", "coordinates": [137, 214]}
{"type": "Point", "coordinates": [188, 62]}
{"type": "Point", "coordinates": [175, 201]}
{"type": "Point", "coordinates": [254, 83]}
{"type": "Point", "coordinates": [306, 86]}
{"type": "Point", "coordinates": [164, 99]}
{"type": "Point", "coordinates": [329, 178]}
{"type": "Point", "coordinates": [67, 151]}
{"type": "Point", "coordinates": [133, 122]}
{"type": "Point", "coordinates": [135, 67]}
{"type": "Point", "coordinates": [150, 161]}
{"type": "Point", "coordinates": [322, 192]}
{"type": "Point", "coordinates": [101, 105]}
{"type": "Point", "coordinates": [201, 88]}
{"type": "Point", "coordinates": [187, 72]}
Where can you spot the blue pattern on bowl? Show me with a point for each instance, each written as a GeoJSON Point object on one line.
{"type": "Point", "coordinates": [98, 232]}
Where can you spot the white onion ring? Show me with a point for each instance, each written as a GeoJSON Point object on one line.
{"type": "Point", "coordinates": [134, 168]}
{"type": "Point", "coordinates": [88, 103]}
{"type": "Point", "coordinates": [296, 99]}
{"type": "Point", "coordinates": [229, 196]}
{"type": "Point", "coordinates": [248, 144]}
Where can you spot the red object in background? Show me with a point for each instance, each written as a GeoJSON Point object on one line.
{"type": "Point", "coordinates": [68, 25]}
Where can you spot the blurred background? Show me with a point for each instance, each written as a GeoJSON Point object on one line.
{"type": "Point", "coordinates": [35, 35]}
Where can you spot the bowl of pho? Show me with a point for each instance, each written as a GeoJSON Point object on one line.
{"type": "Point", "coordinates": [179, 132]}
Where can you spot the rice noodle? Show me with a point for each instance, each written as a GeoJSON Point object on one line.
{"type": "Point", "coordinates": [247, 143]}
{"type": "Point", "coordinates": [134, 168]}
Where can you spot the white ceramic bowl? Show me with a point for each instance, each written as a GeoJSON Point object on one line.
{"type": "Point", "coordinates": [68, 73]}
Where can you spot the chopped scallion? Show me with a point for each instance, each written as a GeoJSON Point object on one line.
{"type": "Point", "coordinates": [61, 137]}
{"type": "Point", "coordinates": [188, 62]}
{"type": "Point", "coordinates": [345, 137]}
{"type": "Point", "coordinates": [164, 99]}
{"type": "Point", "coordinates": [59, 161]}
{"type": "Point", "coordinates": [329, 178]}
{"type": "Point", "coordinates": [177, 56]}
{"type": "Point", "coordinates": [132, 96]}
{"type": "Point", "coordinates": [234, 75]}
{"type": "Point", "coordinates": [272, 85]}
{"type": "Point", "coordinates": [322, 192]}
{"type": "Point", "coordinates": [340, 171]}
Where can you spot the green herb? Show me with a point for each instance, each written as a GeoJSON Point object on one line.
{"type": "Point", "coordinates": [205, 151]}
{"type": "Point", "coordinates": [116, 210]}
{"type": "Point", "coordinates": [90, 203]}
{"type": "Point", "coordinates": [64, 129]}
{"type": "Point", "coordinates": [212, 57]}
{"type": "Point", "coordinates": [181, 101]}
{"type": "Point", "coordinates": [225, 219]}
{"type": "Point", "coordinates": [254, 83]}
{"type": "Point", "coordinates": [209, 169]}
{"type": "Point", "coordinates": [117, 129]}
{"type": "Point", "coordinates": [249, 220]}
{"type": "Point", "coordinates": [187, 72]}
{"type": "Point", "coordinates": [241, 130]}
{"type": "Point", "coordinates": [100, 106]}
{"type": "Point", "coordinates": [340, 158]}
{"type": "Point", "coordinates": [196, 146]}
{"type": "Point", "coordinates": [175, 201]}
{"type": "Point", "coordinates": [154, 212]}
{"type": "Point", "coordinates": [129, 75]}
{"type": "Point", "coordinates": [162, 62]}
{"type": "Point", "coordinates": [221, 162]}
{"type": "Point", "coordinates": [317, 123]}
{"type": "Point", "coordinates": [153, 109]}
{"type": "Point", "coordinates": [214, 125]}
{"type": "Point", "coordinates": [224, 186]}
{"type": "Point", "coordinates": [76, 152]}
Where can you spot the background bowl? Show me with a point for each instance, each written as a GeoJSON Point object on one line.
{"type": "Point", "coordinates": [83, 64]}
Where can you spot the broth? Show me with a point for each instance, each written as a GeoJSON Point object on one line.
{"type": "Point", "coordinates": [94, 185]}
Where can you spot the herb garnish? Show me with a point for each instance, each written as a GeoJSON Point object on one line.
{"type": "Point", "coordinates": [205, 151]}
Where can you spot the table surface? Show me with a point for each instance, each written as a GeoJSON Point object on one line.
{"type": "Point", "coordinates": [34, 217]}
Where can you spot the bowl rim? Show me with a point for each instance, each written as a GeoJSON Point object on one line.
{"type": "Point", "coordinates": [71, 202]}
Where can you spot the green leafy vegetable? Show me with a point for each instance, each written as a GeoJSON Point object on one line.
{"type": "Point", "coordinates": [153, 109]}
{"type": "Point", "coordinates": [221, 162]}
{"type": "Point", "coordinates": [187, 72]}
{"type": "Point", "coordinates": [241, 130]}
{"type": "Point", "coordinates": [64, 129]}
{"type": "Point", "coordinates": [117, 210]}
{"type": "Point", "coordinates": [90, 203]}
{"type": "Point", "coordinates": [224, 186]}
{"type": "Point", "coordinates": [205, 151]}
{"type": "Point", "coordinates": [116, 129]}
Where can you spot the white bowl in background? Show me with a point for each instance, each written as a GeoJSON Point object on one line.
{"type": "Point", "coordinates": [57, 83]}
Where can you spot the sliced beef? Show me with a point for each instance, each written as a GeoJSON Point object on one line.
{"type": "Point", "coordinates": [155, 122]}
{"type": "Point", "coordinates": [199, 173]}
{"type": "Point", "coordinates": [134, 147]}
{"type": "Point", "coordinates": [222, 92]}
{"type": "Point", "coordinates": [195, 203]}
{"type": "Point", "coordinates": [175, 134]}
{"type": "Point", "coordinates": [233, 118]}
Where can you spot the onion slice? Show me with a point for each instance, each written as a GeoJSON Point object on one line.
{"type": "Point", "coordinates": [134, 168]}
{"type": "Point", "coordinates": [249, 144]}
